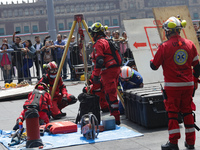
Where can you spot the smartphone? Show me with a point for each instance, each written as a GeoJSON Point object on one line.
{"type": "Point", "coordinates": [48, 37]}
{"type": "Point", "coordinates": [17, 32]}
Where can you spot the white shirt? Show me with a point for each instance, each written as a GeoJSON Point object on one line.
{"type": "Point", "coordinates": [38, 53]}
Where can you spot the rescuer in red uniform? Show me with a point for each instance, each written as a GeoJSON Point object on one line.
{"type": "Point", "coordinates": [98, 89]}
{"type": "Point", "coordinates": [39, 99]}
{"type": "Point", "coordinates": [107, 65]}
{"type": "Point", "coordinates": [61, 98]}
{"type": "Point", "coordinates": [177, 56]}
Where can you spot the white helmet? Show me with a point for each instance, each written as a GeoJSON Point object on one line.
{"type": "Point", "coordinates": [126, 72]}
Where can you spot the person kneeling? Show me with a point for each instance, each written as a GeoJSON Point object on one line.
{"type": "Point", "coordinates": [61, 97]}
{"type": "Point", "coordinates": [39, 99]}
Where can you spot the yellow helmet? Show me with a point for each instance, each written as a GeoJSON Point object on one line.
{"type": "Point", "coordinates": [97, 27]}
{"type": "Point", "coordinates": [173, 23]}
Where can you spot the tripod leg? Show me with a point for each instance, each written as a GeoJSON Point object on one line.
{"type": "Point", "coordinates": [63, 60]}
{"type": "Point", "coordinates": [86, 28]}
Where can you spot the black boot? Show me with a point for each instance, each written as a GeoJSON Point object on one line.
{"type": "Point", "coordinates": [189, 146]}
{"type": "Point", "coordinates": [117, 122]}
{"type": "Point", "coordinates": [105, 110]}
{"type": "Point", "coordinates": [169, 146]}
{"type": "Point", "coordinates": [57, 117]}
{"type": "Point", "coordinates": [63, 114]}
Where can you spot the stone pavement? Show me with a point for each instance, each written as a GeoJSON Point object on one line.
{"type": "Point", "coordinates": [152, 139]}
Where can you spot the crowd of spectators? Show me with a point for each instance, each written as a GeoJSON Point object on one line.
{"type": "Point", "coordinates": [24, 55]}
{"type": "Point", "coordinates": [196, 28]}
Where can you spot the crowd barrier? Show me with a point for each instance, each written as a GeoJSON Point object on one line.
{"type": "Point", "coordinates": [18, 67]}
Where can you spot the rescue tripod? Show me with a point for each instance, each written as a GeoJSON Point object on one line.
{"type": "Point", "coordinates": [77, 19]}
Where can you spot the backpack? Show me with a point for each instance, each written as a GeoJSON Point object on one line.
{"type": "Point", "coordinates": [88, 103]}
{"type": "Point", "coordinates": [36, 100]}
{"type": "Point", "coordinates": [115, 52]}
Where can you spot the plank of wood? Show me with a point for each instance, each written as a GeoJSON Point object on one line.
{"type": "Point", "coordinates": [161, 14]}
{"type": "Point", "coordinates": [14, 92]}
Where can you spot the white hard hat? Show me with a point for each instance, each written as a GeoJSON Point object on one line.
{"type": "Point", "coordinates": [126, 72]}
{"type": "Point", "coordinates": [173, 23]}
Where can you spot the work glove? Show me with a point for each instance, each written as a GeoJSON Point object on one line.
{"type": "Point", "coordinates": [96, 80]}
{"type": "Point", "coordinates": [17, 124]}
{"type": "Point", "coordinates": [65, 100]}
{"type": "Point", "coordinates": [73, 99]}
{"type": "Point", "coordinates": [84, 89]}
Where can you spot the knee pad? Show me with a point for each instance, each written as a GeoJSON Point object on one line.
{"type": "Point", "coordinates": [113, 105]}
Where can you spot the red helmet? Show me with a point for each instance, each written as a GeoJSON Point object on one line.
{"type": "Point", "coordinates": [52, 69]}
{"type": "Point", "coordinates": [41, 86]}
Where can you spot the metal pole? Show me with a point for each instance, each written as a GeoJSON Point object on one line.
{"type": "Point", "coordinates": [51, 19]}
{"type": "Point", "coordinates": [84, 59]}
{"type": "Point", "coordinates": [62, 60]}
{"type": "Point", "coordinates": [86, 28]}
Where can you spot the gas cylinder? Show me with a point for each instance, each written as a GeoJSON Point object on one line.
{"type": "Point", "coordinates": [32, 128]}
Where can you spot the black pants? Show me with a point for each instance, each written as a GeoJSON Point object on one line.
{"type": "Point", "coordinates": [38, 64]}
{"type": "Point", "coordinates": [19, 71]}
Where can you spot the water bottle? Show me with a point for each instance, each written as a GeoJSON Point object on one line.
{"type": "Point", "coordinates": [20, 125]}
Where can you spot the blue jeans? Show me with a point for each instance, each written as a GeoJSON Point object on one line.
{"type": "Point", "coordinates": [7, 75]}
{"type": "Point", "coordinates": [27, 64]}
{"type": "Point", "coordinates": [58, 60]}
{"type": "Point", "coordinates": [121, 108]}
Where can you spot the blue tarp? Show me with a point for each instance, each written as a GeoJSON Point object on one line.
{"type": "Point", "coordinates": [63, 140]}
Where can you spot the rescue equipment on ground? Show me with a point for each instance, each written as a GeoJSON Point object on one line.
{"type": "Point", "coordinates": [108, 123]}
{"type": "Point", "coordinates": [88, 103]}
{"type": "Point", "coordinates": [61, 127]}
{"type": "Point", "coordinates": [32, 128]}
{"type": "Point", "coordinates": [88, 123]}
{"type": "Point", "coordinates": [18, 137]}
{"type": "Point", "coordinates": [82, 78]}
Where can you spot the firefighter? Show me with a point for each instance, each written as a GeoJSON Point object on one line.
{"type": "Point", "coordinates": [107, 63]}
{"type": "Point", "coordinates": [128, 79]}
{"type": "Point", "coordinates": [177, 55]}
{"type": "Point", "coordinates": [39, 99]}
{"type": "Point", "coordinates": [61, 97]}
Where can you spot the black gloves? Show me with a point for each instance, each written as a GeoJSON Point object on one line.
{"type": "Point", "coordinates": [65, 100]}
{"type": "Point", "coordinates": [96, 80]}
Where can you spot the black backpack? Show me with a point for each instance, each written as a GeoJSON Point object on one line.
{"type": "Point", "coordinates": [88, 103]}
{"type": "Point", "coordinates": [115, 51]}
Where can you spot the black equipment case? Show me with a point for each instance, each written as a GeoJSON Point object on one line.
{"type": "Point", "coordinates": [145, 107]}
{"type": "Point", "coordinates": [88, 103]}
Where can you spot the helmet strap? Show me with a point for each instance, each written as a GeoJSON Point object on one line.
{"type": "Point", "coordinates": [169, 33]}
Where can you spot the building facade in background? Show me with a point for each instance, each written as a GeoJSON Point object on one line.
{"type": "Point", "coordinates": [31, 18]}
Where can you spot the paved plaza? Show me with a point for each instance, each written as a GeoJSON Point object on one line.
{"type": "Point", "coordinates": [152, 139]}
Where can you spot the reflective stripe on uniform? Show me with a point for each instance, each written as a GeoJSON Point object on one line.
{"type": "Point", "coordinates": [179, 84]}
{"type": "Point", "coordinates": [196, 58]}
{"type": "Point", "coordinates": [174, 131]}
{"type": "Point", "coordinates": [114, 105]}
{"type": "Point", "coordinates": [190, 130]}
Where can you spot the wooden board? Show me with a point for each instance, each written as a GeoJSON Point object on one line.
{"type": "Point", "coordinates": [143, 39]}
{"type": "Point", "coordinates": [161, 14]}
{"type": "Point", "coordinates": [15, 92]}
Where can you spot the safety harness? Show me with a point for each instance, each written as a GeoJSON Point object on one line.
{"type": "Point", "coordinates": [186, 125]}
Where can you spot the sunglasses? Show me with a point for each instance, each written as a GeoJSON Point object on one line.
{"type": "Point", "coordinates": [124, 79]}
{"type": "Point", "coordinates": [53, 70]}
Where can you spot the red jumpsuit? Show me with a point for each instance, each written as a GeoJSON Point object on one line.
{"type": "Point", "coordinates": [176, 56]}
{"type": "Point", "coordinates": [44, 105]}
{"type": "Point", "coordinates": [109, 72]}
{"type": "Point", "coordinates": [98, 89]}
{"type": "Point", "coordinates": [57, 102]}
